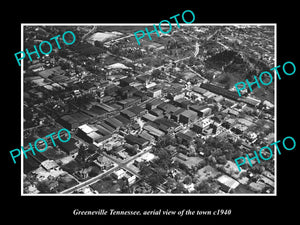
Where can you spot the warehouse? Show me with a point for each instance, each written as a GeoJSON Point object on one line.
{"type": "Point", "coordinates": [141, 142]}
{"type": "Point", "coordinates": [187, 116]}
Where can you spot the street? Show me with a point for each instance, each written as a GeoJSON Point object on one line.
{"type": "Point", "coordinates": [121, 165]}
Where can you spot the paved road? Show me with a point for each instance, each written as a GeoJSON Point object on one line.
{"type": "Point", "coordinates": [98, 177]}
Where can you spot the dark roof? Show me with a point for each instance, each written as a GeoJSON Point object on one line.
{"type": "Point", "coordinates": [107, 127]}
{"type": "Point", "coordinates": [185, 136]}
{"type": "Point", "coordinates": [136, 109]}
{"type": "Point", "coordinates": [113, 122]}
{"type": "Point", "coordinates": [166, 122]}
{"type": "Point", "coordinates": [122, 119]}
{"type": "Point", "coordinates": [75, 118]}
{"type": "Point", "coordinates": [135, 140]}
{"type": "Point", "coordinates": [128, 113]}
{"type": "Point", "coordinates": [178, 111]}
{"type": "Point", "coordinates": [221, 91]}
{"type": "Point", "coordinates": [167, 107]}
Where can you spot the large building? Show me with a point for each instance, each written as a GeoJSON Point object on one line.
{"type": "Point", "coordinates": [187, 116]}
{"type": "Point", "coordinates": [74, 120]}
{"type": "Point", "coordinates": [220, 91]}
{"type": "Point", "coordinates": [141, 142]}
{"type": "Point", "coordinates": [227, 183]}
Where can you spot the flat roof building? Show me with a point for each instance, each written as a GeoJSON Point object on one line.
{"type": "Point", "coordinates": [187, 116]}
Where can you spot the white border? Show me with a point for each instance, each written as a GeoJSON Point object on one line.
{"type": "Point", "coordinates": [148, 24]}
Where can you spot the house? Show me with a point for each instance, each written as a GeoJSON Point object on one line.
{"type": "Point", "coordinates": [104, 163]}
{"type": "Point", "coordinates": [49, 164]}
{"type": "Point", "coordinates": [252, 136]}
{"type": "Point", "coordinates": [147, 157]}
{"type": "Point", "coordinates": [83, 173]}
{"type": "Point", "coordinates": [118, 174]}
{"type": "Point", "coordinates": [227, 183]}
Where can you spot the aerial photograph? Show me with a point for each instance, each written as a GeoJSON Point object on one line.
{"type": "Point", "coordinates": [157, 116]}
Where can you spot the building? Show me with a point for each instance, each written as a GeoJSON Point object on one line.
{"type": "Point", "coordinates": [152, 104]}
{"type": "Point", "coordinates": [200, 126]}
{"type": "Point", "coordinates": [127, 92]}
{"type": "Point", "coordinates": [227, 183]}
{"type": "Point", "coordinates": [104, 163]}
{"type": "Point", "coordinates": [49, 164]}
{"type": "Point", "coordinates": [149, 117]}
{"type": "Point", "coordinates": [156, 112]}
{"type": "Point", "coordinates": [145, 135]}
{"type": "Point", "coordinates": [250, 101]}
{"type": "Point", "coordinates": [118, 174]}
{"type": "Point", "coordinates": [126, 82]}
{"type": "Point", "coordinates": [175, 115]}
{"type": "Point", "coordinates": [87, 133]}
{"type": "Point", "coordinates": [170, 125]}
{"type": "Point", "coordinates": [74, 120]}
{"type": "Point", "coordinates": [187, 116]}
{"type": "Point", "coordinates": [129, 102]}
{"type": "Point", "coordinates": [107, 127]}
{"type": "Point", "coordinates": [167, 108]}
{"type": "Point", "coordinates": [137, 110]}
{"type": "Point", "coordinates": [154, 92]}
{"type": "Point", "coordinates": [147, 157]}
{"type": "Point", "coordinates": [113, 122]}
{"type": "Point", "coordinates": [186, 137]}
{"type": "Point", "coordinates": [141, 142]}
{"type": "Point", "coordinates": [122, 119]}
{"type": "Point", "coordinates": [153, 131]}
{"type": "Point", "coordinates": [128, 114]}
{"type": "Point", "coordinates": [220, 91]}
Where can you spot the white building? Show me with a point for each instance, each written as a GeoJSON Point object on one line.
{"type": "Point", "coordinates": [118, 174]}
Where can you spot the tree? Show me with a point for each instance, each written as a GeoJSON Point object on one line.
{"type": "Point", "coordinates": [94, 171]}
{"type": "Point", "coordinates": [187, 180]}
{"type": "Point", "coordinates": [221, 159]}
{"type": "Point", "coordinates": [98, 44]}
{"type": "Point", "coordinates": [145, 171]}
{"type": "Point", "coordinates": [43, 187]}
{"type": "Point", "coordinates": [203, 187]}
{"type": "Point", "coordinates": [180, 188]}
{"type": "Point", "coordinates": [154, 179]}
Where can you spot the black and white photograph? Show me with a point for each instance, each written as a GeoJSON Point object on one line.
{"type": "Point", "coordinates": [149, 113]}
{"type": "Point", "coordinates": [159, 117]}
